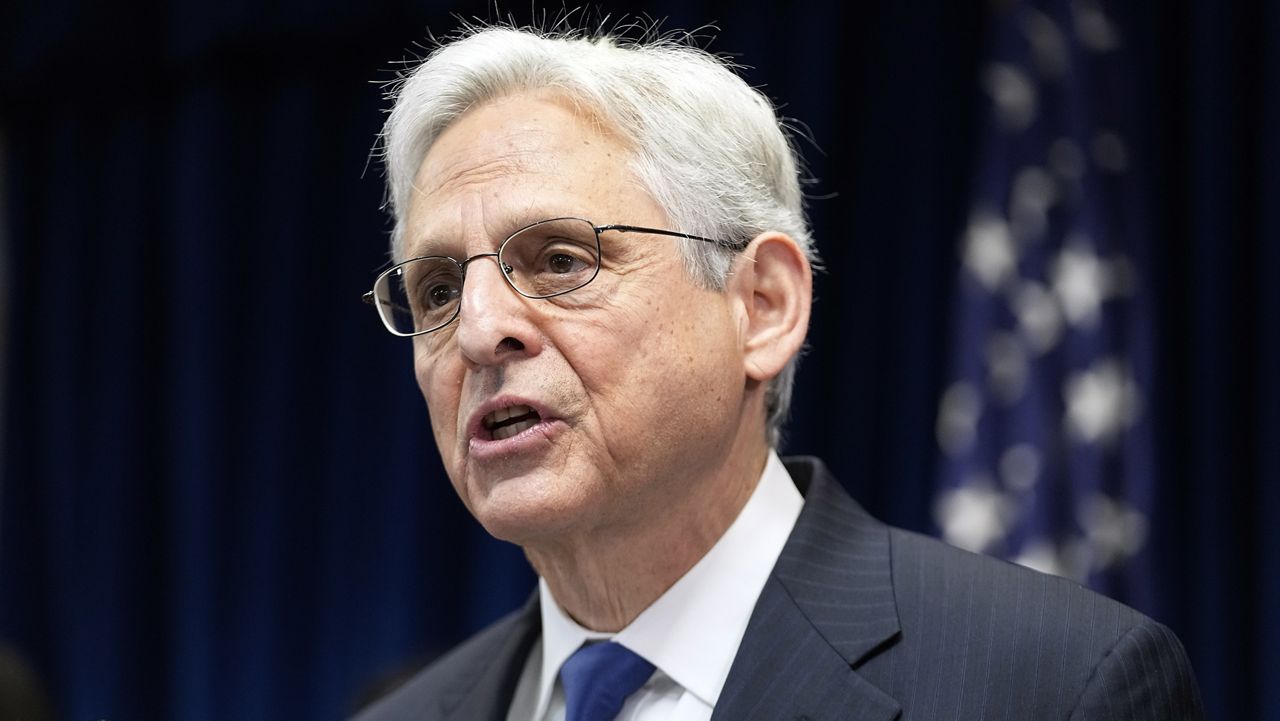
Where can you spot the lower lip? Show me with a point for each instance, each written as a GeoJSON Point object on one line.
{"type": "Point", "coordinates": [533, 439]}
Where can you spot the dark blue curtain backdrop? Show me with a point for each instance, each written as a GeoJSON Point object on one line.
{"type": "Point", "coordinates": [220, 494]}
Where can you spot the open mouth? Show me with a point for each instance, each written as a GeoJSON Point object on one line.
{"type": "Point", "coordinates": [510, 421]}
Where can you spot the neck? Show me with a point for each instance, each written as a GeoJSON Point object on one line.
{"type": "Point", "coordinates": [605, 577]}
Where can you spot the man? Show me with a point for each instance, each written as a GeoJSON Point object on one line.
{"type": "Point", "coordinates": [604, 267]}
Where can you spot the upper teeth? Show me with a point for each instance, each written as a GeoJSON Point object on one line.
{"type": "Point", "coordinates": [504, 432]}
{"type": "Point", "coordinates": [503, 414]}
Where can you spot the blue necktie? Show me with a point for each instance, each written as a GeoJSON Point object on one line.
{"type": "Point", "coordinates": [598, 678]}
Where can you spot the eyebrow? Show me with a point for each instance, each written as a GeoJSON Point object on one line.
{"type": "Point", "coordinates": [512, 222]}
{"type": "Point", "coordinates": [428, 246]}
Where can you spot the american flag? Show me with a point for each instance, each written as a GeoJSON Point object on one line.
{"type": "Point", "coordinates": [1046, 445]}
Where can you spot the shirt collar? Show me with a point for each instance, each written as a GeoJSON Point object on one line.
{"type": "Point", "coordinates": [692, 632]}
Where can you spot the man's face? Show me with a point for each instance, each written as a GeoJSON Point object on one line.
{"type": "Point", "coordinates": [635, 381]}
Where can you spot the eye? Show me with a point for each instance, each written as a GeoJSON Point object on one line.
{"type": "Point", "coordinates": [560, 256]}
{"type": "Point", "coordinates": [560, 262]}
{"type": "Point", "coordinates": [441, 294]}
{"type": "Point", "coordinates": [440, 286]}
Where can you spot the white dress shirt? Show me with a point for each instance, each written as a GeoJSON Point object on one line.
{"type": "Point", "coordinates": [690, 633]}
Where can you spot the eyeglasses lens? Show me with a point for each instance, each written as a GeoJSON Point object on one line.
{"type": "Point", "coordinates": [419, 295]}
{"type": "Point", "coordinates": [552, 257]}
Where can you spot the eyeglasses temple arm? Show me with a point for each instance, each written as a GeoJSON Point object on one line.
{"type": "Point", "coordinates": [671, 233]}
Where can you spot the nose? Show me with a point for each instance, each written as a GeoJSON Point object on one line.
{"type": "Point", "coordinates": [494, 322]}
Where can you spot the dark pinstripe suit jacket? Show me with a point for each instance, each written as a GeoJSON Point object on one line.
{"type": "Point", "coordinates": [864, 622]}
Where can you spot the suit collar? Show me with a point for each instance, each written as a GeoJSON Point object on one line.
{"type": "Point", "coordinates": [497, 675]}
{"type": "Point", "coordinates": [836, 566]}
{"type": "Point", "coordinates": [828, 607]}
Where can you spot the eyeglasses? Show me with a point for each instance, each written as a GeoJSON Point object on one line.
{"type": "Point", "coordinates": [542, 260]}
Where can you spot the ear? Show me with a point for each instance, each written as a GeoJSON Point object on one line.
{"type": "Point", "coordinates": [774, 284]}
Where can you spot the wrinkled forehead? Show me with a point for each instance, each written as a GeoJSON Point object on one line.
{"type": "Point", "coordinates": [516, 133]}
{"type": "Point", "coordinates": [516, 160]}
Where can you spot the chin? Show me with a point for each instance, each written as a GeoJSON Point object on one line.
{"type": "Point", "coordinates": [527, 508]}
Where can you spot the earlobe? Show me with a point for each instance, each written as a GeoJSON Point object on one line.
{"type": "Point", "coordinates": [777, 290]}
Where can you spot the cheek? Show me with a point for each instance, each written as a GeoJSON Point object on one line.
{"type": "Point", "coordinates": [441, 392]}
{"type": "Point", "coordinates": [700, 348]}
{"type": "Point", "coordinates": [661, 350]}
{"type": "Point", "coordinates": [605, 346]}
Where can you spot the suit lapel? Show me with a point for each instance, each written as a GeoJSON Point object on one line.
{"type": "Point", "coordinates": [827, 607]}
{"type": "Point", "coordinates": [496, 678]}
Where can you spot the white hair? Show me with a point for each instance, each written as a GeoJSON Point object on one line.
{"type": "Point", "coordinates": [707, 146]}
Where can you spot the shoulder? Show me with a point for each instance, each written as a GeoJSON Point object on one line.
{"type": "Point", "coordinates": [431, 692]}
{"type": "Point", "coordinates": [970, 636]}
{"type": "Point", "coordinates": [934, 579]}
{"type": "Point", "coordinates": [1033, 645]}
{"type": "Point", "coordinates": [1145, 673]}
